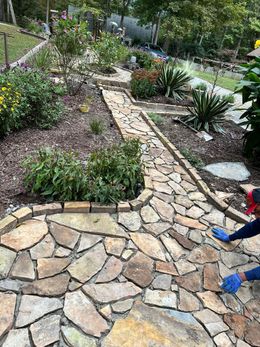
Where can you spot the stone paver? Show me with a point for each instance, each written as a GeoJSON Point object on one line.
{"type": "Point", "coordinates": [95, 279]}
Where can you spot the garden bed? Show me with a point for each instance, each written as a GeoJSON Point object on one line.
{"type": "Point", "coordinates": [162, 99]}
{"type": "Point", "coordinates": [71, 133]}
{"type": "Point", "coordinates": [224, 147]}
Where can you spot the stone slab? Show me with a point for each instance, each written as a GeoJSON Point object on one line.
{"type": "Point", "coordinates": [235, 171]}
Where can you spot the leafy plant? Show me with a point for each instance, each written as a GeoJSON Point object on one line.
{"type": "Point", "coordinates": [196, 161]}
{"type": "Point", "coordinates": [144, 59]}
{"type": "Point", "coordinates": [143, 83]}
{"type": "Point", "coordinates": [96, 126]}
{"type": "Point", "coordinates": [173, 81]}
{"type": "Point", "coordinates": [156, 118]}
{"type": "Point", "coordinates": [250, 88]}
{"type": "Point", "coordinates": [208, 112]}
{"type": "Point", "coordinates": [42, 59]}
{"type": "Point", "coordinates": [201, 86]}
{"type": "Point", "coordinates": [229, 98]}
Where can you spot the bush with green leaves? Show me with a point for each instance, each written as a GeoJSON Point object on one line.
{"type": "Point", "coordinates": [144, 59]}
{"type": "Point", "coordinates": [250, 88]}
{"type": "Point", "coordinates": [173, 81]}
{"type": "Point", "coordinates": [208, 112]}
{"type": "Point", "coordinates": [110, 175]}
{"type": "Point", "coordinates": [156, 118]}
{"type": "Point", "coordinates": [229, 98]}
{"type": "Point", "coordinates": [42, 60]}
{"type": "Point", "coordinates": [143, 83]}
{"type": "Point", "coordinates": [96, 126]}
{"type": "Point", "coordinates": [195, 160]}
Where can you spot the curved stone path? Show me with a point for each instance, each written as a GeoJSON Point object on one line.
{"type": "Point", "coordinates": [142, 279]}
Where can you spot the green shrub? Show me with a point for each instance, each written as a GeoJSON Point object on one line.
{"type": "Point", "coordinates": [173, 81]}
{"type": "Point", "coordinates": [96, 127]}
{"type": "Point", "coordinates": [144, 59]}
{"type": "Point", "coordinates": [42, 60]}
{"type": "Point", "coordinates": [208, 112]}
{"type": "Point", "coordinates": [196, 161]}
{"type": "Point", "coordinates": [156, 118]}
{"type": "Point", "coordinates": [201, 86]}
{"type": "Point", "coordinates": [143, 83]}
{"type": "Point", "coordinates": [229, 98]}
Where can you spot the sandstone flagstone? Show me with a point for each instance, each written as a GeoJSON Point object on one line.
{"type": "Point", "coordinates": [212, 322]}
{"type": "Point", "coordinates": [165, 210]}
{"type": "Point", "coordinates": [222, 340]}
{"type": "Point", "coordinates": [183, 266]}
{"type": "Point", "coordinates": [7, 307]}
{"type": "Point", "coordinates": [182, 240]}
{"type": "Point", "coordinates": [195, 212]}
{"type": "Point", "coordinates": [189, 222]}
{"type": "Point", "coordinates": [110, 271]}
{"type": "Point", "coordinates": [211, 300]}
{"type": "Point", "coordinates": [25, 236]}
{"type": "Point", "coordinates": [162, 282]}
{"type": "Point", "coordinates": [184, 201]}
{"type": "Point", "coordinates": [162, 187]}
{"type": "Point", "coordinates": [51, 286]}
{"type": "Point", "coordinates": [203, 254]}
{"type": "Point", "coordinates": [157, 228]}
{"type": "Point", "coordinates": [113, 291]}
{"type": "Point", "coordinates": [215, 217]}
{"type": "Point", "coordinates": [23, 268]}
{"type": "Point", "coordinates": [12, 285]}
{"type": "Point", "coordinates": [46, 331]}
{"type": "Point", "coordinates": [158, 176]}
{"type": "Point", "coordinates": [164, 197]}
{"type": "Point", "coordinates": [197, 196]}
{"type": "Point", "coordinates": [227, 246]}
{"type": "Point", "coordinates": [211, 278]}
{"type": "Point", "coordinates": [43, 249]}
{"type": "Point", "coordinates": [150, 326]}
{"type": "Point", "coordinates": [237, 323]}
{"type": "Point", "coordinates": [173, 247]}
{"type": "Point", "coordinates": [179, 209]}
{"type": "Point", "coordinates": [149, 245]}
{"type": "Point", "coordinates": [17, 337]}
{"type": "Point", "coordinates": [47, 267]}
{"type": "Point", "coordinates": [80, 310]}
{"type": "Point", "coordinates": [187, 301]}
{"type": "Point", "coordinates": [92, 223]}
{"type": "Point", "coordinates": [252, 334]}
{"type": "Point", "coordinates": [176, 177]}
{"type": "Point", "coordinates": [122, 306]}
{"type": "Point", "coordinates": [62, 252]}
{"type": "Point", "coordinates": [251, 245]}
{"type": "Point", "coordinates": [114, 246]}
{"type": "Point", "coordinates": [75, 338]}
{"type": "Point", "coordinates": [34, 307]}
{"type": "Point", "coordinates": [232, 259]}
{"type": "Point", "coordinates": [149, 215]}
{"type": "Point", "coordinates": [161, 298]}
{"type": "Point", "coordinates": [177, 188]}
{"type": "Point", "coordinates": [253, 307]}
{"type": "Point", "coordinates": [231, 302]}
{"type": "Point", "coordinates": [130, 220]}
{"type": "Point", "coordinates": [7, 258]}
{"type": "Point", "coordinates": [167, 268]}
{"type": "Point", "coordinates": [89, 264]}
{"type": "Point", "coordinates": [64, 236]}
{"type": "Point", "coordinates": [191, 281]}
{"type": "Point", "coordinates": [87, 241]}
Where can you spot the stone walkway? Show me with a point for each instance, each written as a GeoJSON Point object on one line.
{"type": "Point", "coordinates": [142, 279]}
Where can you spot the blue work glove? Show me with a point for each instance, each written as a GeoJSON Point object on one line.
{"type": "Point", "coordinates": [220, 234]}
{"type": "Point", "coordinates": [231, 283]}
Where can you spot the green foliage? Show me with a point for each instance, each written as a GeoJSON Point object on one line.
{"type": "Point", "coordinates": [208, 112]}
{"type": "Point", "coordinates": [143, 83]}
{"type": "Point", "coordinates": [55, 174]}
{"type": "Point", "coordinates": [111, 175]}
{"type": "Point", "coordinates": [195, 160]}
{"type": "Point", "coordinates": [201, 86]}
{"type": "Point", "coordinates": [144, 59]}
{"type": "Point", "coordinates": [96, 126]}
{"type": "Point", "coordinates": [156, 118]}
{"type": "Point", "coordinates": [173, 81]}
{"type": "Point", "coordinates": [229, 98]}
{"type": "Point", "coordinates": [250, 88]}
{"type": "Point", "coordinates": [42, 60]}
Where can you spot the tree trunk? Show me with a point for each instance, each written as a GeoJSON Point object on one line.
{"type": "Point", "coordinates": [10, 5]}
{"type": "Point", "coordinates": [157, 29]}
{"type": "Point", "coordinates": [201, 39]}
{"type": "Point", "coordinates": [126, 4]}
{"type": "Point", "coordinates": [238, 46]}
{"type": "Point", "coordinates": [223, 39]}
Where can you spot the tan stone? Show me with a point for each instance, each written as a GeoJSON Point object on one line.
{"type": "Point", "coordinates": [114, 246]}
{"type": "Point", "coordinates": [43, 249]}
{"type": "Point", "coordinates": [189, 222]}
{"type": "Point", "coordinates": [7, 224]}
{"type": "Point", "coordinates": [162, 187]}
{"type": "Point", "coordinates": [191, 281]}
{"type": "Point", "coordinates": [166, 211]}
{"type": "Point", "coordinates": [7, 307]}
{"type": "Point", "coordinates": [110, 271]}
{"type": "Point", "coordinates": [101, 208]}
{"type": "Point", "coordinates": [75, 338]}
{"type": "Point", "coordinates": [17, 337]}
{"type": "Point", "coordinates": [25, 236]}
{"type": "Point", "coordinates": [52, 286]}
{"type": "Point", "coordinates": [122, 306]}
{"type": "Point", "coordinates": [161, 298]}
{"type": "Point", "coordinates": [7, 258]}
{"type": "Point", "coordinates": [237, 323]}
{"type": "Point", "coordinates": [203, 254]}
{"type": "Point", "coordinates": [183, 266]}
{"type": "Point", "coordinates": [167, 268]}
{"type": "Point", "coordinates": [149, 245]}
{"type": "Point", "coordinates": [87, 241]}
{"type": "Point", "coordinates": [177, 188]}
{"type": "Point", "coordinates": [212, 279]}
{"type": "Point", "coordinates": [106, 311]}
{"type": "Point", "coordinates": [188, 302]}
{"type": "Point", "coordinates": [47, 209]}
{"type": "Point", "coordinates": [252, 334]}
{"type": "Point", "coordinates": [23, 269]}
{"type": "Point", "coordinates": [47, 267]}
{"type": "Point", "coordinates": [182, 240]}
{"type": "Point", "coordinates": [173, 247]}
{"type": "Point", "coordinates": [157, 228]}
{"type": "Point", "coordinates": [215, 217]}
{"type": "Point", "coordinates": [227, 246]}
{"type": "Point", "coordinates": [22, 214]}
{"type": "Point", "coordinates": [145, 196]}
{"type": "Point", "coordinates": [64, 236]}
{"type": "Point", "coordinates": [149, 215]}
{"type": "Point", "coordinates": [123, 207]}
{"type": "Point", "coordinates": [46, 331]}
{"type": "Point", "coordinates": [212, 301]}
{"type": "Point", "coordinates": [76, 207]}
{"type": "Point", "coordinates": [62, 252]}
{"type": "Point", "coordinates": [130, 220]}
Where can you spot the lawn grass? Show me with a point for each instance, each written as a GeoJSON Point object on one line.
{"type": "Point", "coordinates": [224, 82]}
{"type": "Point", "coordinates": [18, 45]}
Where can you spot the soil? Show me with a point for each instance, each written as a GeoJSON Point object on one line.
{"type": "Point", "coordinates": [162, 99]}
{"type": "Point", "coordinates": [224, 147]}
{"type": "Point", "coordinates": [71, 133]}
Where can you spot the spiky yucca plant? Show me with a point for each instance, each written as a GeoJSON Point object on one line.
{"type": "Point", "coordinates": [173, 81]}
{"type": "Point", "coordinates": [208, 112]}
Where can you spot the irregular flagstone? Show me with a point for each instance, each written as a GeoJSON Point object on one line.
{"type": "Point", "coordinates": [110, 271]}
{"type": "Point", "coordinates": [244, 294]}
{"type": "Point", "coordinates": [191, 281]}
{"type": "Point", "coordinates": [12, 285]}
{"type": "Point", "coordinates": [89, 264]}
{"type": "Point", "coordinates": [167, 268]}
{"type": "Point", "coordinates": [237, 323]}
{"type": "Point", "coordinates": [211, 278]}
{"type": "Point", "coordinates": [184, 267]}
{"type": "Point", "coordinates": [47, 267]}
{"type": "Point", "coordinates": [231, 302]}
{"type": "Point", "coordinates": [212, 301]}
{"type": "Point", "coordinates": [150, 326]}
{"type": "Point", "coordinates": [203, 254]}
{"type": "Point", "coordinates": [176, 177]}
{"type": "Point", "coordinates": [130, 220]}
{"type": "Point", "coordinates": [7, 307]}
{"type": "Point", "coordinates": [212, 322]}
{"type": "Point", "coordinates": [187, 301]}
{"type": "Point", "coordinates": [253, 307]}
{"type": "Point", "coordinates": [17, 337]}
{"type": "Point", "coordinates": [195, 212]}
{"type": "Point", "coordinates": [179, 209]}
{"type": "Point", "coordinates": [177, 188]}
{"type": "Point", "coordinates": [197, 196]}
{"type": "Point", "coordinates": [92, 223]}
{"type": "Point", "coordinates": [189, 222]}
{"type": "Point", "coordinates": [157, 228]}
{"type": "Point", "coordinates": [23, 268]}
{"type": "Point", "coordinates": [164, 197]}
{"type": "Point", "coordinates": [114, 246]}
{"type": "Point", "coordinates": [160, 298]}
{"type": "Point", "coordinates": [149, 245]}
{"type": "Point", "coordinates": [62, 252]}
{"type": "Point", "coordinates": [162, 282]}
{"type": "Point", "coordinates": [227, 246]}
{"type": "Point", "coordinates": [158, 176]}
{"type": "Point", "coordinates": [215, 217]}
{"type": "Point", "coordinates": [25, 236]}
{"type": "Point", "coordinates": [108, 292]}
{"type": "Point", "coordinates": [173, 247]}
{"type": "Point", "coordinates": [188, 186]}
{"type": "Point", "coordinates": [222, 340]}
{"type": "Point", "coordinates": [64, 236]}
{"type": "Point", "coordinates": [165, 210]}
{"type": "Point", "coordinates": [106, 312]}
{"type": "Point", "coordinates": [7, 258]}
{"type": "Point", "coordinates": [46, 331]}
{"type": "Point", "coordinates": [122, 306]}
{"type": "Point", "coordinates": [182, 240]}
{"type": "Point", "coordinates": [181, 229]}
{"type": "Point", "coordinates": [80, 310]}
{"type": "Point", "coordinates": [241, 343]}
{"type": "Point", "coordinates": [232, 259]}
{"type": "Point", "coordinates": [162, 187]}
{"type": "Point", "coordinates": [204, 205]}
{"type": "Point", "coordinates": [43, 249]}
{"type": "Point", "coordinates": [195, 236]}
{"type": "Point", "coordinates": [251, 245]}
{"type": "Point", "coordinates": [75, 338]}
{"type": "Point", "coordinates": [252, 334]}
{"type": "Point", "coordinates": [87, 241]}
{"type": "Point", "coordinates": [149, 215]}
{"type": "Point", "coordinates": [184, 201]}
{"type": "Point", "coordinates": [52, 286]}
{"type": "Point", "coordinates": [139, 270]}
{"type": "Point", "coordinates": [34, 307]}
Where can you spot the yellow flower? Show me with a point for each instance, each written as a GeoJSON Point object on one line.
{"type": "Point", "coordinates": [12, 109]}
{"type": "Point", "coordinates": [4, 88]}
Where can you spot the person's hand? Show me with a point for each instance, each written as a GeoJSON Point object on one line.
{"type": "Point", "coordinates": [231, 283]}
{"type": "Point", "coordinates": [220, 234]}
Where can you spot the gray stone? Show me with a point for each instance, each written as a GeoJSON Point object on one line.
{"type": "Point", "coordinates": [195, 212]}
{"type": "Point", "coordinates": [110, 271]}
{"type": "Point", "coordinates": [64, 236]}
{"type": "Point", "coordinates": [43, 249]}
{"type": "Point", "coordinates": [235, 171]}
{"type": "Point", "coordinates": [184, 267]}
{"type": "Point", "coordinates": [87, 241]}
{"type": "Point", "coordinates": [215, 217]}
{"type": "Point", "coordinates": [62, 252]}
{"type": "Point", "coordinates": [12, 285]}
{"type": "Point", "coordinates": [17, 337]}
{"type": "Point", "coordinates": [122, 306]}
{"type": "Point", "coordinates": [130, 220]}
{"type": "Point", "coordinates": [75, 338]}
{"type": "Point", "coordinates": [7, 258]}
{"type": "Point", "coordinates": [195, 236]}
{"type": "Point", "coordinates": [162, 282]}
{"type": "Point", "coordinates": [184, 201]}
{"type": "Point", "coordinates": [222, 340]}
{"type": "Point", "coordinates": [23, 268]}
{"type": "Point", "coordinates": [7, 307]}
{"type": "Point", "coordinates": [157, 228]}
{"type": "Point", "coordinates": [187, 301]}
{"type": "Point", "coordinates": [165, 210]}
{"type": "Point", "coordinates": [232, 259]}
{"type": "Point", "coordinates": [177, 188]}
{"type": "Point", "coordinates": [160, 298]}
{"type": "Point", "coordinates": [173, 247]}
{"type": "Point", "coordinates": [46, 331]}
{"type": "Point", "coordinates": [149, 245]}
{"type": "Point", "coordinates": [114, 246]}
{"type": "Point", "coordinates": [149, 215]}
{"type": "Point", "coordinates": [51, 286]}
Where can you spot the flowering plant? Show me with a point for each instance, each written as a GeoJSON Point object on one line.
{"type": "Point", "coordinates": [257, 44]}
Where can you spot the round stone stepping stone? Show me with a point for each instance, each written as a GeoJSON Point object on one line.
{"type": "Point", "coordinates": [235, 171]}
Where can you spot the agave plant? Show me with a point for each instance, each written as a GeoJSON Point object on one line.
{"type": "Point", "coordinates": [208, 112]}
{"type": "Point", "coordinates": [173, 81]}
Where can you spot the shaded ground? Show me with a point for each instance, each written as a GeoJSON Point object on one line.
{"type": "Point", "coordinates": [161, 99]}
{"type": "Point", "coordinates": [71, 133]}
{"type": "Point", "coordinates": [224, 147]}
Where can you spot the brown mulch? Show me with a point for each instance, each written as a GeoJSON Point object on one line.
{"type": "Point", "coordinates": [224, 147]}
{"type": "Point", "coordinates": [71, 133]}
{"type": "Point", "coordinates": [162, 99]}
